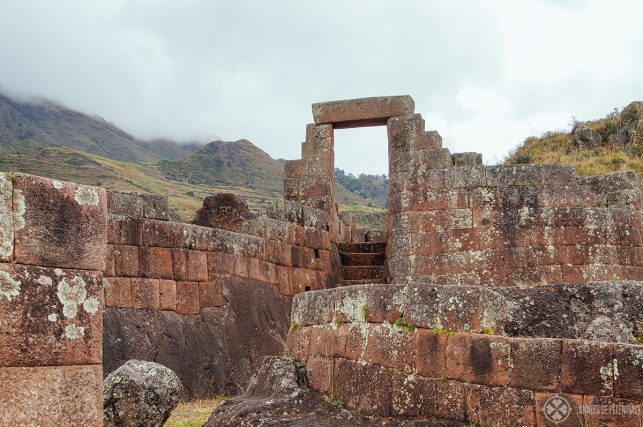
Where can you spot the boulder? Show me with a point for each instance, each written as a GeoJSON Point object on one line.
{"type": "Point", "coordinates": [223, 210]}
{"type": "Point", "coordinates": [277, 395]}
{"type": "Point", "coordinates": [140, 394]}
{"type": "Point", "coordinates": [585, 137]}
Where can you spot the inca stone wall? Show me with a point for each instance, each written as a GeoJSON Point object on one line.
{"type": "Point", "coordinates": [53, 254]}
{"type": "Point", "coordinates": [202, 300]}
{"type": "Point", "coordinates": [471, 355]}
{"type": "Point", "coordinates": [511, 283]}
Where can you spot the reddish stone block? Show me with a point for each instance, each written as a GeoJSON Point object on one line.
{"type": "Point", "coordinates": [536, 363]}
{"type": "Point", "coordinates": [125, 261]}
{"type": "Point", "coordinates": [145, 293]}
{"type": "Point", "coordinates": [49, 316]}
{"type": "Point", "coordinates": [587, 367]}
{"type": "Point", "coordinates": [319, 371]}
{"type": "Point", "coordinates": [167, 295]}
{"type": "Point", "coordinates": [221, 262]}
{"type": "Point", "coordinates": [328, 341]}
{"type": "Point", "coordinates": [124, 231]}
{"type": "Point", "coordinates": [430, 353]}
{"type": "Point", "coordinates": [109, 262]}
{"type": "Point", "coordinates": [253, 269]}
{"type": "Point", "coordinates": [268, 272]}
{"type": "Point", "coordinates": [59, 224]}
{"type": "Point", "coordinates": [375, 110]}
{"type": "Point", "coordinates": [600, 411]}
{"type": "Point", "coordinates": [197, 263]}
{"type": "Point", "coordinates": [362, 386]}
{"type": "Point", "coordinates": [384, 303]}
{"type": "Point", "coordinates": [283, 278]}
{"type": "Point", "coordinates": [572, 273]}
{"type": "Point", "coordinates": [179, 264]}
{"type": "Point", "coordinates": [384, 337]}
{"type": "Point", "coordinates": [164, 234]}
{"type": "Point", "coordinates": [52, 396]}
{"type": "Point", "coordinates": [479, 359]}
{"type": "Point", "coordinates": [416, 396]}
{"type": "Point", "coordinates": [241, 265]}
{"type": "Point", "coordinates": [118, 292]}
{"type": "Point", "coordinates": [211, 294]}
{"type": "Point", "coordinates": [155, 263]}
{"type": "Point", "coordinates": [303, 280]}
{"type": "Point", "coordinates": [187, 298]}
{"type": "Point", "coordinates": [629, 381]}
{"type": "Point", "coordinates": [501, 406]}
{"type": "Point", "coordinates": [298, 342]}
{"type": "Point", "coordinates": [566, 409]}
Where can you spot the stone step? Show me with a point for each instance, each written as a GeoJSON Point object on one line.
{"type": "Point", "coordinates": [361, 282]}
{"type": "Point", "coordinates": [364, 259]}
{"type": "Point", "coordinates": [363, 247]}
{"type": "Point", "coordinates": [362, 272]}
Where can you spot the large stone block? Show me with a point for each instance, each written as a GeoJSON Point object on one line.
{"type": "Point", "coordinates": [416, 396]}
{"type": "Point", "coordinates": [431, 354]}
{"type": "Point", "coordinates": [59, 224]}
{"type": "Point", "coordinates": [501, 406]}
{"type": "Point", "coordinates": [362, 111]}
{"type": "Point", "coordinates": [479, 359]}
{"type": "Point", "coordinates": [49, 316]}
{"type": "Point", "coordinates": [362, 386]}
{"type": "Point", "coordinates": [536, 363]}
{"type": "Point", "coordinates": [51, 396]}
{"type": "Point", "coordinates": [391, 346]}
{"type": "Point", "coordinates": [6, 218]}
{"type": "Point", "coordinates": [587, 367]}
{"type": "Point", "coordinates": [629, 378]}
{"type": "Point", "coordinates": [138, 205]}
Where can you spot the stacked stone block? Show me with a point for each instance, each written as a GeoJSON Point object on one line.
{"type": "Point", "coordinates": [471, 354]}
{"type": "Point", "coordinates": [53, 238]}
{"type": "Point", "coordinates": [162, 265]}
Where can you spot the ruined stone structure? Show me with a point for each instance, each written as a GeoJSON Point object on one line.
{"type": "Point", "coordinates": [494, 288]}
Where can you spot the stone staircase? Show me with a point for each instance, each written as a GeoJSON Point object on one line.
{"type": "Point", "coordinates": [362, 263]}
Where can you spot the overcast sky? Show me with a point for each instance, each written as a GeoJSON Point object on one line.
{"type": "Point", "coordinates": [485, 74]}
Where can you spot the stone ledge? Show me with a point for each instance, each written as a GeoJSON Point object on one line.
{"type": "Point", "coordinates": [362, 111]}
{"type": "Point", "coordinates": [600, 311]}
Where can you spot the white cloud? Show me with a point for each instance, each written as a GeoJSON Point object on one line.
{"type": "Point", "coordinates": [485, 74]}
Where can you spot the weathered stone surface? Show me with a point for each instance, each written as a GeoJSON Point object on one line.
{"type": "Point", "coordinates": [277, 396]}
{"type": "Point", "coordinates": [49, 316]}
{"type": "Point", "coordinates": [585, 137]}
{"type": "Point", "coordinates": [501, 406]}
{"type": "Point", "coordinates": [467, 159]}
{"type": "Point", "coordinates": [51, 396]}
{"type": "Point", "coordinates": [362, 111]}
{"type": "Point", "coordinates": [223, 342]}
{"type": "Point", "coordinates": [59, 224]}
{"type": "Point", "coordinates": [140, 394]}
{"type": "Point", "coordinates": [138, 205]}
{"type": "Point", "coordinates": [223, 210]}
{"type": "Point", "coordinates": [587, 368]}
{"type": "Point", "coordinates": [6, 218]}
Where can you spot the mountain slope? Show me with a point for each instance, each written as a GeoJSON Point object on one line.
{"type": "Point", "coordinates": [228, 163]}
{"type": "Point", "coordinates": [32, 124]}
{"type": "Point", "coordinates": [613, 143]}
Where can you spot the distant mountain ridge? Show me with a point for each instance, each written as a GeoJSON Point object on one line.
{"type": "Point", "coordinates": [25, 125]}
{"type": "Point", "coordinates": [47, 139]}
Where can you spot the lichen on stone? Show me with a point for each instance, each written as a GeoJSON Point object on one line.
{"type": "Point", "coordinates": [74, 332]}
{"type": "Point", "coordinates": [9, 287]}
{"type": "Point", "coordinates": [91, 305]}
{"type": "Point", "coordinates": [57, 185]}
{"type": "Point", "coordinates": [6, 221]}
{"type": "Point", "coordinates": [53, 317]}
{"type": "Point", "coordinates": [19, 209]}
{"type": "Point", "coordinates": [86, 196]}
{"type": "Point", "coordinates": [71, 295]}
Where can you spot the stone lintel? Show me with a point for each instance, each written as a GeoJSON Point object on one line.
{"type": "Point", "coordinates": [373, 111]}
